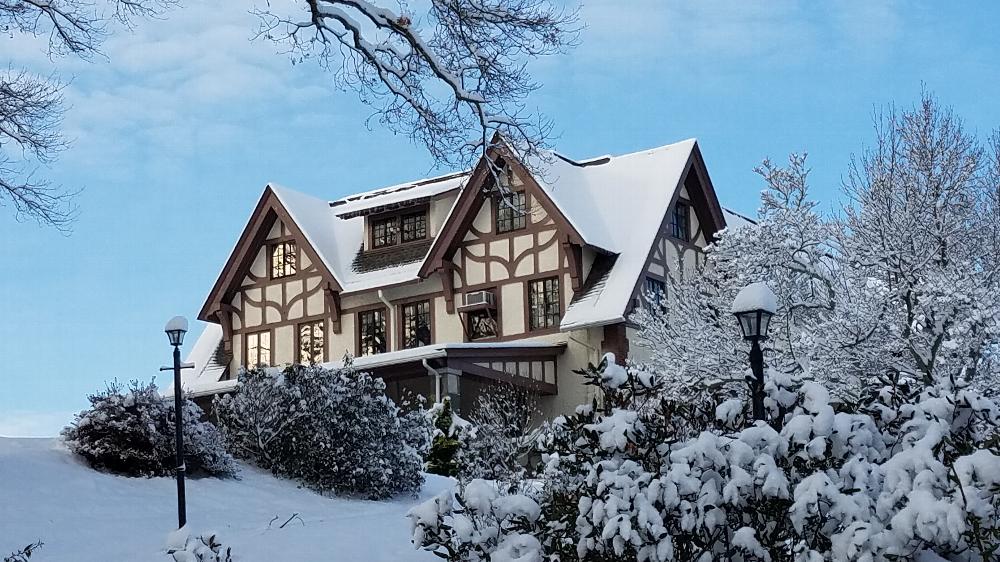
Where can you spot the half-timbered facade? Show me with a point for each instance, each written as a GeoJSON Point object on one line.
{"type": "Point", "coordinates": [445, 285]}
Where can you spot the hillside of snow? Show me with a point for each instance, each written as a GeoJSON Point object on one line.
{"type": "Point", "coordinates": [82, 515]}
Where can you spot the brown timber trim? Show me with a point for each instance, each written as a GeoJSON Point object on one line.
{"type": "Point", "coordinates": [574, 254]}
{"type": "Point", "coordinates": [332, 298]}
{"type": "Point", "coordinates": [268, 209]}
{"type": "Point", "coordinates": [616, 341]}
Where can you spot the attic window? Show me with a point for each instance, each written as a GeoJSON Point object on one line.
{"type": "Point", "coordinates": [414, 227]}
{"type": "Point", "coordinates": [510, 212]}
{"type": "Point", "coordinates": [680, 222]}
{"type": "Point", "coordinates": [283, 260]}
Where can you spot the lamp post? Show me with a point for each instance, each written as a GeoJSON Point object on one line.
{"type": "Point", "coordinates": [753, 307]}
{"type": "Point", "coordinates": [176, 328]}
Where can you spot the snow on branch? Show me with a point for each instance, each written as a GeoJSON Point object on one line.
{"type": "Point", "coordinates": [451, 79]}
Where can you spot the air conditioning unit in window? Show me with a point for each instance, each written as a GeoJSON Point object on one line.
{"type": "Point", "coordinates": [479, 299]}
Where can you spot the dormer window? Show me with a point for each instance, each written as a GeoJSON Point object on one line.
{"type": "Point", "coordinates": [510, 212]}
{"type": "Point", "coordinates": [680, 222]}
{"type": "Point", "coordinates": [384, 232]}
{"type": "Point", "coordinates": [283, 260]}
{"type": "Point", "coordinates": [391, 230]}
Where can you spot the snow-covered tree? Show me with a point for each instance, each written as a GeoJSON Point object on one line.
{"type": "Point", "coordinates": [333, 429]}
{"type": "Point", "coordinates": [505, 418]}
{"type": "Point", "coordinates": [903, 280]}
{"type": "Point", "coordinates": [131, 431]}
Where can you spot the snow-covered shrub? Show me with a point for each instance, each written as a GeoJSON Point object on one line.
{"type": "Point", "coordinates": [418, 427]}
{"type": "Point", "coordinates": [183, 547]}
{"type": "Point", "coordinates": [333, 429]}
{"type": "Point", "coordinates": [912, 473]}
{"type": "Point", "coordinates": [505, 420]}
{"type": "Point", "coordinates": [450, 434]}
{"type": "Point", "coordinates": [130, 430]}
{"type": "Point", "coordinates": [24, 554]}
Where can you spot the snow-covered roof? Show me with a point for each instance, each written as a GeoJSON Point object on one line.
{"type": "Point", "coordinates": [204, 381]}
{"type": "Point", "coordinates": [617, 204]}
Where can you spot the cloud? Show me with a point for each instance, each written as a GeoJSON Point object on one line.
{"type": "Point", "coordinates": [24, 423]}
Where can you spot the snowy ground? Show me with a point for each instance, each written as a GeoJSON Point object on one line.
{"type": "Point", "coordinates": [85, 516]}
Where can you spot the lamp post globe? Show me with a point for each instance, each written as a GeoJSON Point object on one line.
{"type": "Point", "coordinates": [175, 330]}
{"type": "Point", "coordinates": [753, 307]}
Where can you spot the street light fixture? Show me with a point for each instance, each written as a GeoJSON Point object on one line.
{"type": "Point", "coordinates": [175, 330]}
{"type": "Point", "coordinates": [753, 307]}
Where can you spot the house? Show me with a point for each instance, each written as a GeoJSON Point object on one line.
{"type": "Point", "coordinates": [442, 286]}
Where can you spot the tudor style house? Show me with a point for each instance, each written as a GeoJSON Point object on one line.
{"type": "Point", "coordinates": [442, 286]}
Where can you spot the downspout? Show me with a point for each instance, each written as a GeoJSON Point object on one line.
{"type": "Point", "coordinates": [389, 328]}
{"type": "Point", "coordinates": [437, 379]}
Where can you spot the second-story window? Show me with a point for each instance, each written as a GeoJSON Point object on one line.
{"type": "Point", "coordinates": [481, 324]}
{"type": "Point", "coordinates": [258, 349]}
{"type": "Point", "coordinates": [371, 332]}
{"type": "Point", "coordinates": [416, 324]}
{"type": "Point", "coordinates": [385, 232]}
{"type": "Point", "coordinates": [543, 303]}
{"type": "Point", "coordinates": [311, 343]}
{"type": "Point", "coordinates": [414, 227]}
{"type": "Point", "coordinates": [680, 222]}
{"type": "Point", "coordinates": [283, 260]}
{"type": "Point", "coordinates": [510, 212]}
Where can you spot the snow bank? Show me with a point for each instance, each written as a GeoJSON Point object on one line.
{"type": "Point", "coordinates": [87, 516]}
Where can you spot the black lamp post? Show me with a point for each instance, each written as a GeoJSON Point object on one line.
{"type": "Point", "coordinates": [176, 328]}
{"type": "Point", "coordinates": [754, 305]}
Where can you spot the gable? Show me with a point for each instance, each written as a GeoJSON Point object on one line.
{"type": "Point", "coordinates": [474, 212]}
{"type": "Point", "coordinates": [270, 221]}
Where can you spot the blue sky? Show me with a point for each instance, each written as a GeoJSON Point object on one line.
{"type": "Point", "coordinates": [176, 133]}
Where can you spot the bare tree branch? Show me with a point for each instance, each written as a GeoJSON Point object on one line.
{"type": "Point", "coordinates": [450, 81]}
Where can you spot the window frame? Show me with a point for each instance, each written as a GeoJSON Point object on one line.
{"type": "Point", "coordinates": [422, 216]}
{"type": "Point", "coordinates": [361, 336]}
{"type": "Point", "coordinates": [392, 234]}
{"type": "Point", "coordinates": [405, 324]}
{"type": "Point", "coordinates": [495, 317]}
{"type": "Point", "coordinates": [550, 319]}
{"type": "Point", "coordinates": [506, 219]}
{"type": "Point", "coordinates": [312, 325]}
{"type": "Point", "coordinates": [661, 288]}
{"type": "Point", "coordinates": [678, 230]}
{"type": "Point", "coordinates": [246, 348]}
{"type": "Point", "coordinates": [284, 245]}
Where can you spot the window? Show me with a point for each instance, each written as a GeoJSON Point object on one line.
{"type": "Point", "coordinates": [283, 260]}
{"type": "Point", "coordinates": [259, 349]}
{"type": "Point", "coordinates": [655, 294]}
{"type": "Point", "coordinates": [371, 332]}
{"type": "Point", "coordinates": [416, 324]}
{"type": "Point", "coordinates": [510, 212]}
{"type": "Point", "coordinates": [311, 343]}
{"type": "Point", "coordinates": [679, 222]}
{"type": "Point", "coordinates": [543, 303]}
{"type": "Point", "coordinates": [414, 227]}
{"type": "Point", "coordinates": [481, 324]}
{"type": "Point", "coordinates": [384, 232]}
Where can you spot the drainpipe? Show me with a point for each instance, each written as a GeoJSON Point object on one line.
{"type": "Point", "coordinates": [389, 327]}
{"type": "Point", "coordinates": [437, 379]}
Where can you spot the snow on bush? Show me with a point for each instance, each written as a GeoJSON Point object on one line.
{"type": "Point", "coordinates": [505, 420]}
{"type": "Point", "coordinates": [912, 471]}
{"type": "Point", "coordinates": [130, 430]}
{"type": "Point", "coordinates": [450, 435]}
{"type": "Point", "coordinates": [183, 547]}
{"type": "Point", "coordinates": [24, 554]}
{"type": "Point", "coordinates": [333, 429]}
